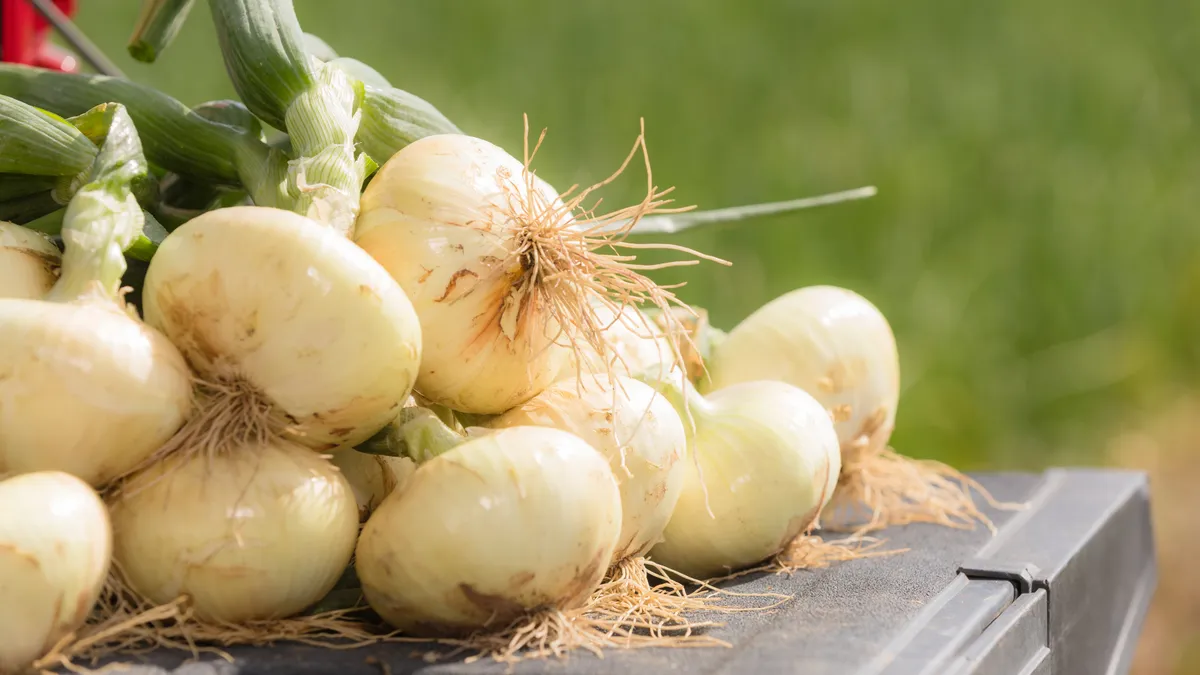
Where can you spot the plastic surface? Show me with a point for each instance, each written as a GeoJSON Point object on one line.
{"type": "Point", "coordinates": [904, 614]}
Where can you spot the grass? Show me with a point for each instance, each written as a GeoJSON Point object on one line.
{"type": "Point", "coordinates": [1038, 166]}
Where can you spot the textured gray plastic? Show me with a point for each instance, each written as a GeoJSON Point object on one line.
{"type": "Point", "coordinates": [906, 614]}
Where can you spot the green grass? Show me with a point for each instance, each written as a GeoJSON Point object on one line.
{"type": "Point", "coordinates": [1034, 239]}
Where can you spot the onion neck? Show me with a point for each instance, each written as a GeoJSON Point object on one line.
{"type": "Point", "coordinates": [103, 217]}
{"type": "Point", "coordinates": [692, 407]}
{"type": "Point", "coordinates": [418, 433]}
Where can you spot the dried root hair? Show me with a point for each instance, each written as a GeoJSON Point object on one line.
{"type": "Point", "coordinates": [573, 259]}
{"type": "Point", "coordinates": [123, 624]}
{"type": "Point", "coordinates": [226, 416]}
{"type": "Point", "coordinates": [880, 488]}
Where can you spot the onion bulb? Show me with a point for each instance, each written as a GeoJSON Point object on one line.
{"type": "Point", "coordinates": [85, 387]}
{"type": "Point", "coordinates": [503, 275]}
{"type": "Point", "coordinates": [371, 477]}
{"type": "Point", "coordinates": [507, 522]}
{"type": "Point", "coordinates": [636, 429]}
{"type": "Point", "coordinates": [29, 262]}
{"type": "Point", "coordinates": [258, 534]}
{"type": "Point", "coordinates": [55, 550]}
{"type": "Point", "coordinates": [289, 310]}
{"type": "Point", "coordinates": [830, 342]}
{"type": "Point", "coordinates": [766, 462]}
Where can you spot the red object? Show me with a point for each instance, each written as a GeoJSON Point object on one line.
{"type": "Point", "coordinates": [23, 36]}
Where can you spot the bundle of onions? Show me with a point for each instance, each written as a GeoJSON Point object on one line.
{"type": "Point", "coordinates": [29, 263]}
{"type": "Point", "coordinates": [300, 340]}
{"type": "Point", "coordinates": [78, 354]}
{"type": "Point", "coordinates": [55, 551]}
{"type": "Point", "coordinates": [838, 347]}
{"type": "Point", "coordinates": [488, 529]}
{"type": "Point", "coordinates": [504, 272]}
{"type": "Point", "coordinates": [765, 462]}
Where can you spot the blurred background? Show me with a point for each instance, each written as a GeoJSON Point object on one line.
{"type": "Point", "coordinates": [1034, 241]}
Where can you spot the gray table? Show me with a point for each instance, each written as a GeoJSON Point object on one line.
{"type": "Point", "coordinates": [1062, 588]}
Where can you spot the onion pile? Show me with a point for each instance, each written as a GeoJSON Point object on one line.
{"type": "Point", "coordinates": [384, 366]}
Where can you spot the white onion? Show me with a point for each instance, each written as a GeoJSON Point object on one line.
{"type": "Point", "coordinates": [371, 477]}
{"type": "Point", "coordinates": [294, 310]}
{"type": "Point", "coordinates": [514, 520]}
{"type": "Point", "coordinates": [488, 337]}
{"type": "Point", "coordinates": [830, 342]}
{"type": "Point", "coordinates": [85, 388]}
{"type": "Point", "coordinates": [29, 262]}
{"type": "Point", "coordinates": [766, 463]}
{"type": "Point", "coordinates": [638, 347]}
{"type": "Point", "coordinates": [504, 276]}
{"type": "Point", "coordinates": [55, 550]}
{"type": "Point", "coordinates": [636, 429]}
{"type": "Point", "coordinates": [261, 533]}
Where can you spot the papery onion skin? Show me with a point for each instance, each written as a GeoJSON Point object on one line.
{"type": "Point", "coordinates": [259, 533]}
{"type": "Point", "coordinates": [639, 348]}
{"type": "Point", "coordinates": [371, 477]}
{"type": "Point", "coordinates": [768, 457]}
{"type": "Point", "coordinates": [29, 263]}
{"type": "Point", "coordinates": [55, 551]}
{"type": "Point", "coordinates": [426, 217]}
{"type": "Point", "coordinates": [295, 309]}
{"type": "Point", "coordinates": [618, 417]}
{"type": "Point", "coordinates": [515, 520]}
{"type": "Point", "coordinates": [85, 388]}
{"type": "Point", "coordinates": [830, 342]}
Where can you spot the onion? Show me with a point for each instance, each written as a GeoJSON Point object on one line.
{"type": "Point", "coordinates": [29, 262]}
{"type": "Point", "coordinates": [55, 549]}
{"type": "Point", "coordinates": [85, 387]}
{"type": "Point", "coordinates": [766, 463]}
{"type": "Point", "coordinates": [371, 477]}
{"type": "Point", "coordinates": [258, 534]}
{"type": "Point", "coordinates": [290, 312]}
{"type": "Point", "coordinates": [512, 521]}
{"type": "Point", "coordinates": [636, 429]}
{"type": "Point", "coordinates": [503, 276]}
{"type": "Point", "coordinates": [830, 342]}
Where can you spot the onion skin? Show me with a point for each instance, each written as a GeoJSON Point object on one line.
{"type": "Point", "coordinates": [371, 477]}
{"type": "Point", "coordinates": [55, 551]}
{"type": "Point", "coordinates": [29, 263]}
{"type": "Point", "coordinates": [294, 308]}
{"type": "Point", "coordinates": [642, 425]}
{"type": "Point", "coordinates": [516, 520]}
{"type": "Point", "coordinates": [830, 342]}
{"type": "Point", "coordinates": [488, 346]}
{"type": "Point", "coordinates": [769, 458]}
{"type": "Point", "coordinates": [267, 531]}
{"type": "Point", "coordinates": [85, 388]}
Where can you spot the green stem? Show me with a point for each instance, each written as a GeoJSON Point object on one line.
{"type": "Point", "coordinates": [103, 219]}
{"type": "Point", "coordinates": [316, 105]}
{"type": "Point", "coordinates": [39, 144]}
{"type": "Point", "coordinates": [418, 433]}
{"type": "Point", "coordinates": [14, 186]}
{"type": "Point", "coordinates": [393, 118]}
{"type": "Point", "coordinates": [157, 26]}
{"type": "Point", "coordinates": [175, 137]}
{"type": "Point", "coordinates": [678, 222]}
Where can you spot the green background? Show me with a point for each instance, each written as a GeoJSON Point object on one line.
{"type": "Point", "coordinates": [1033, 242]}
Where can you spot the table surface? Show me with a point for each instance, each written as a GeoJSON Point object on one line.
{"type": "Point", "coordinates": [838, 619]}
